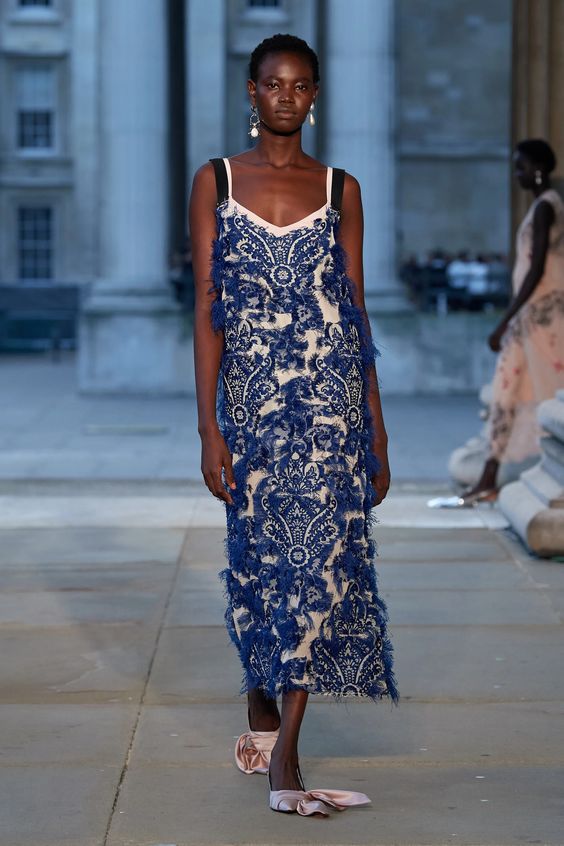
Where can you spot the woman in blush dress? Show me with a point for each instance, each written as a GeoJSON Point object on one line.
{"type": "Point", "coordinates": [530, 335]}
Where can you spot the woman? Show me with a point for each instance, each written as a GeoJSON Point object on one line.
{"type": "Point", "coordinates": [530, 334]}
{"type": "Point", "coordinates": [299, 454]}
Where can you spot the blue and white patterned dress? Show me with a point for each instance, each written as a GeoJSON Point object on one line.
{"type": "Point", "coordinates": [303, 608]}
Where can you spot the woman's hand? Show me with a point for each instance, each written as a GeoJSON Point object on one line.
{"type": "Point", "coordinates": [381, 479]}
{"type": "Point", "coordinates": [215, 459]}
{"type": "Point", "coordinates": [494, 341]}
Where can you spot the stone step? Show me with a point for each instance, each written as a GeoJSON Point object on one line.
{"type": "Point", "coordinates": [544, 486]}
{"type": "Point", "coordinates": [541, 528]}
{"type": "Point", "coordinates": [553, 468]}
{"type": "Point", "coordinates": [551, 416]}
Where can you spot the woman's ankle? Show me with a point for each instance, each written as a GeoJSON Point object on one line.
{"type": "Point", "coordinates": [262, 712]}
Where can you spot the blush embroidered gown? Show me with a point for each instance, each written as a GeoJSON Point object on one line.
{"type": "Point", "coordinates": [530, 367]}
{"type": "Point", "coordinates": [302, 602]}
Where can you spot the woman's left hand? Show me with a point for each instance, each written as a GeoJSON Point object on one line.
{"type": "Point", "coordinates": [494, 341]}
{"type": "Point", "coordinates": [381, 479]}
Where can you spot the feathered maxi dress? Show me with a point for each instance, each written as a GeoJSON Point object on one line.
{"type": "Point", "coordinates": [302, 602]}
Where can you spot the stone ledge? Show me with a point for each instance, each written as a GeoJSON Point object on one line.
{"type": "Point", "coordinates": [550, 415]}
{"type": "Point", "coordinates": [544, 487]}
{"type": "Point", "coordinates": [540, 527]}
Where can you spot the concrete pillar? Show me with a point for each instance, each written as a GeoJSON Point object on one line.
{"type": "Point", "coordinates": [130, 326]}
{"type": "Point", "coordinates": [359, 94]}
{"type": "Point", "coordinates": [538, 84]}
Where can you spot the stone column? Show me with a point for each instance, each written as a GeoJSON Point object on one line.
{"type": "Point", "coordinates": [130, 326]}
{"type": "Point", "coordinates": [206, 56]}
{"type": "Point", "coordinates": [359, 95]}
{"type": "Point", "coordinates": [538, 84]}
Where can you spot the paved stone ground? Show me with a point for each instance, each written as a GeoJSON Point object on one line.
{"type": "Point", "coordinates": [118, 687]}
{"type": "Point", "coordinates": [118, 704]}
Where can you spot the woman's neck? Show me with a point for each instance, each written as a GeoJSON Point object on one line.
{"type": "Point", "coordinates": [540, 189]}
{"type": "Point", "coordinates": [279, 151]}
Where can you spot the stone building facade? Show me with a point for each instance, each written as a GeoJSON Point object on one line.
{"type": "Point", "coordinates": [107, 107]}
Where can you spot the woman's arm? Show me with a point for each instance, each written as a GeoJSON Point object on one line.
{"type": "Point", "coordinates": [208, 344]}
{"type": "Point", "coordinates": [350, 237]}
{"type": "Point", "coordinates": [543, 219]}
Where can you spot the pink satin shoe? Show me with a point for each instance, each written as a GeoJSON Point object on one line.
{"type": "Point", "coordinates": [307, 802]}
{"type": "Point", "coordinates": [253, 750]}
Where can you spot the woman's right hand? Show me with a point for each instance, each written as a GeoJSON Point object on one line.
{"type": "Point", "coordinates": [215, 459]}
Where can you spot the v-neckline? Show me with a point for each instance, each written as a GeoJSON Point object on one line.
{"type": "Point", "coordinates": [266, 224]}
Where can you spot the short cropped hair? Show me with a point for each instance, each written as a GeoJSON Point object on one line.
{"type": "Point", "coordinates": [280, 43]}
{"type": "Point", "coordinates": [539, 152]}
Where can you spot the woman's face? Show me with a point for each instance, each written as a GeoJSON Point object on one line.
{"type": "Point", "coordinates": [284, 91]}
{"type": "Point", "coordinates": [524, 170]}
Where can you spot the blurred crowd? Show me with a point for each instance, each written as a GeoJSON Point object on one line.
{"type": "Point", "coordinates": [446, 282]}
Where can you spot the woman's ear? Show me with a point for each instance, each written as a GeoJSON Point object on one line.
{"type": "Point", "coordinates": [252, 89]}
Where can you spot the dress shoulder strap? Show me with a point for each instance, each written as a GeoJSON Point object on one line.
{"type": "Point", "coordinates": [221, 180]}
{"type": "Point", "coordinates": [337, 185]}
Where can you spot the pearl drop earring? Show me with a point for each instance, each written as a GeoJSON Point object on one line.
{"type": "Point", "coordinates": [254, 123]}
{"type": "Point", "coordinates": [311, 116]}
{"type": "Point", "coordinates": [538, 177]}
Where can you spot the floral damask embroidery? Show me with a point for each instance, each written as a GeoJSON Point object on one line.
{"type": "Point", "coordinates": [538, 313]}
{"type": "Point", "coordinates": [302, 604]}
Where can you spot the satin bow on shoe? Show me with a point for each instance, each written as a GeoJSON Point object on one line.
{"type": "Point", "coordinates": [253, 749]}
{"type": "Point", "coordinates": [307, 802]}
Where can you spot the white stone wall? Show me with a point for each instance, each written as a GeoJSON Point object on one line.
{"type": "Point", "coordinates": [64, 178]}
{"type": "Point", "coordinates": [453, 124]}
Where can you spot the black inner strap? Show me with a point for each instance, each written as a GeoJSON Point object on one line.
{"type": "Point", "coordinates": [221, 181]}
{"type": "Point", "coordinates": [337, 186]}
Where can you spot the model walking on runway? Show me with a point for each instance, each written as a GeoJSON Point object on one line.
{"type": "Point", "coordinates": [530, 335]}
{"type": "Point", "coordinates": [293, 439]}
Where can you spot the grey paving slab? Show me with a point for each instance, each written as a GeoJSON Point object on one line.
{"type": "Point", "coordinates": [414, 734]}
{"type": "Point", "coordinates": [458, 663]}
{"type": "Point", "coordinates": [56, 734]}
{"type": "Point", "coordinates": [200, 577]}
{"type": "Point", "coordinates": [41, 608]}
{"type": "Point", "coordinates": [419, 805]}
{"type": "Point", "coordinates": [440, 575]}
{"type": "Point", "coordinates": [86, 663]}
{"type": "Point", "coordinates": [66, 805]}
{"type": "Point", "coordinates": [409, 545]}
{"type": "Point", "coordinates": [77, 545]}
{"type": "Point", "coordinates": [194, 663]}
{"type": "Point", "coordinates": [543, 573]}
{"type": "Point", "coordinates": [463, 607]}
{"type": "Point", "coordinates": [193, 607]}
{"type": "Point", "coordinates": [556, 599]}
{"type": "Point", "coordinates": [492, 663]}
{"type": "Point", "coordinates": [205, 547]}
{"type": "Point", "coordinates": [85, 576]}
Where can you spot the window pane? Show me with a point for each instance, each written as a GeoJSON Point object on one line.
{"type": "Point", "coordinates": [35, 106]}
{"type": "Point", "coordinates": [35, 87]}
{"type": "Point", "coordinates": [35, 243]}
{"type": "Point", "coordinates": [35, 130]}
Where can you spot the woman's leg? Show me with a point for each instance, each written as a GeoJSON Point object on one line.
{"type": "Point", "coordinates": [284, 760]}
{"type": "Point", "coordinates": [263, 712]}
{"type": "Point", "coordinates": [487, 480]}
